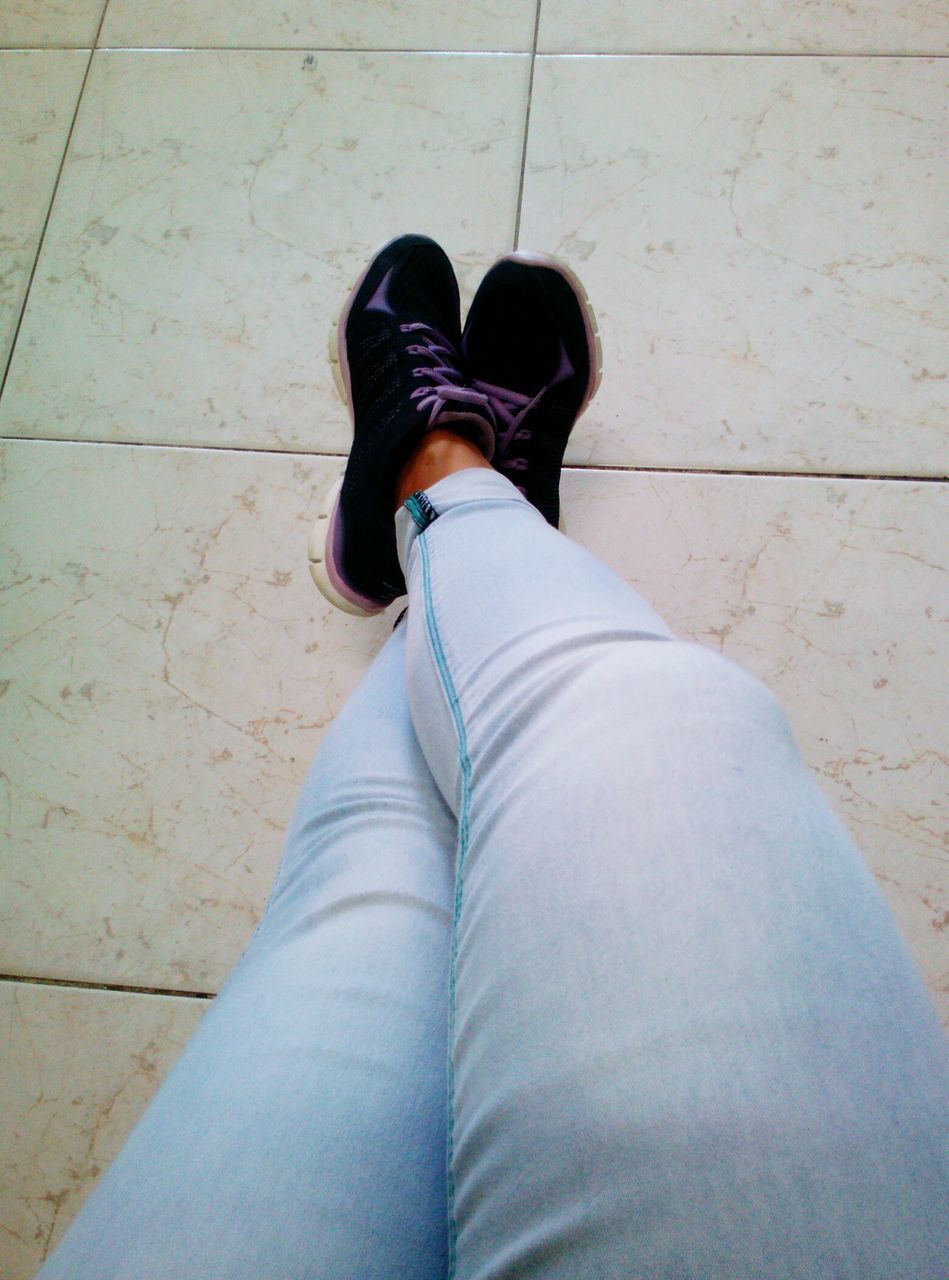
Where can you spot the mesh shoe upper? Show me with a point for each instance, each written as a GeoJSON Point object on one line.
{"type": "Point", "coordinates": [400, 355]}
{"type": "Point", "coordinates": [528, 347]}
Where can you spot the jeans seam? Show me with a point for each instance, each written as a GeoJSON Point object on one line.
{"type": "Point", "coordinates": [464, 762]}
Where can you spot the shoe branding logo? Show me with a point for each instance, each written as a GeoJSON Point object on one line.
{"type": "Point", "coordinates": [380, 299]}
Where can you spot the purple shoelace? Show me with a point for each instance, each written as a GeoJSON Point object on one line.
{"type": "Point", "coordinates": [505, 409]}
{"type": "Point", "coordinates": [509, 409]}
{"type": "Point", "coordinates": [446, 383]}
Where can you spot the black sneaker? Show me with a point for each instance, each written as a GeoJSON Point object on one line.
{"type": "Point", "coordinates": [399, 370]}
{"type": "Point", "coordinates": [532, 348]}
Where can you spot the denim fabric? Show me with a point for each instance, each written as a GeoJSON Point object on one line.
{"type": "Point", "coordinates": [568, 972]}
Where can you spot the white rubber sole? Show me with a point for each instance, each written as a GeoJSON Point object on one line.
{"type": "Point", "coordinates": [316, 554]}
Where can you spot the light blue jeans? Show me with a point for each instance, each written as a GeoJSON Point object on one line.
{"type": "Point", "coordinates": [568, 972]}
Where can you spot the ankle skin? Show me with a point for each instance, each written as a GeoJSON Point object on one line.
{"type": "Point", "coordinates": [439, 453]}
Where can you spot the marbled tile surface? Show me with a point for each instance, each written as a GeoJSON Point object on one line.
{"type": "Point", "coordinates": [213, 213]}
{"type": "Point", "coordinates": [49, 22]}
{"type": "Point", "coordinates": [763, 240]}
{"type": "Point", "coordinates": [38, 94]}
{"type": "Point", "coordinates": [743, 26]}
{"type": "Point", "coordinates": [79, 1067]}
{"type": "Point", "coordinates": [323, 24]}
{"type": "Point", "coordinates": [177, 669]}
{"type": "Point", "coordinates": [168, 671]}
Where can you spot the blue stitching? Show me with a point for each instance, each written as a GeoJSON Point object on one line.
{"type": "Point", "coordinates": [463, 760]}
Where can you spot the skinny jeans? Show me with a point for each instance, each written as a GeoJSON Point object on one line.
{"type": "Point", "coordinates": [568, 972]}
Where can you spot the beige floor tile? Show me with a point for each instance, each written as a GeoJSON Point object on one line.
{"type": "Point", "coordinates": [323, 24]}
{"type": "Point", "coordinates": [26, 23]}
{"type": "Point", "coordinates": [79, 1069]}
{"type": "Point", "coordinates": [833, 593]}
{"type": "Point", "coordinates": [38, 94]}
{"type": "Point", "coordinates": [177, 669]}
{"type": "Point", "coordinates": [762, 240]}
{"type": "Point", "coordinates": [171, 671]}
{"type": "Point", "coordinates": [213, 212]}
{"type": "Point", "coordinates": [743, 26]}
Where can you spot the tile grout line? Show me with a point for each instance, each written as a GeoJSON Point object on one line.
{"type": "Point", "coordinates": [493, 53]}
{"type": "Point", "coordinates": [52, 201]}
{"type": "Point", "coordinates": [79, 985]}
{"type": "Point", "coordinates": [763, 475]}
{"type": "Point", "coordinates": [567, 467]}
{"type": "Point", "coordinates": [105, 6]}
{"type": "Point", "coordinates": [734, 53]}
{"type": "Point", "coordinates": [527, 125]}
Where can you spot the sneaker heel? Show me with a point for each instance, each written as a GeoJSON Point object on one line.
{"type": "Point", "coordinates": [317, 551]}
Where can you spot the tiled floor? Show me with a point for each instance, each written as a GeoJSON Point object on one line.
{"type": "Point", "coordinates": [755, 198]}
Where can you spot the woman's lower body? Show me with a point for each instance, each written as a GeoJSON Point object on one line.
{"type": "Point", "coordinates": [568, 972]}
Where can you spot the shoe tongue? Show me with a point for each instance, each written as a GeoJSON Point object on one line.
{"type": "Point", "coordinates": [417, 300]}
{"type": "Point", "coordinates": [518, 353]}
{"type": "Point", "coordinates": [472, 425]}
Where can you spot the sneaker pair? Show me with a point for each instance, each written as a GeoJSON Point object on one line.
{"type": "Point", "coordinates": [516, 380]}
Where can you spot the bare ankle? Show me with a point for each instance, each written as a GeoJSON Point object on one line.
{"type": "Point", "coordinates": [439, 453]}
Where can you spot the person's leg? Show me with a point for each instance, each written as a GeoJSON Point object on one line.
{"type": "Point", "coordinates": [302, 1131]}
{"type": "Point", "coordinates": [687, 1037]}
